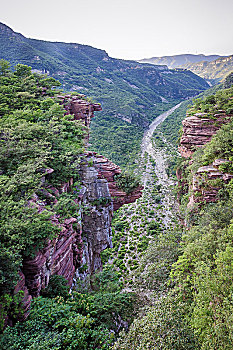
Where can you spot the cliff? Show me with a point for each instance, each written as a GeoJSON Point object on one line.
{"type": "Point", "coordinates": [80, 109]}
{"type": "Point", "coordinates": [207, 180]}
{"type": "Point", "coordinates": [198, 129]}
{"type": "Point", "coordinates": [83, 236]}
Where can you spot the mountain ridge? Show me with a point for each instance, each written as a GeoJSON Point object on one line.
{"type": "Point", "coordinates": [175, 61]}
{"type": "Point", "coordinates": [214, 71]}
{"type": "Point", "coordinates": [126, 89]}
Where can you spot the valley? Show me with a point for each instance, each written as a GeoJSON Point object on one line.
{"type": "Point", "coordinates": [116, 208]}
{"type": "Point", "coordinates": [142, 224]}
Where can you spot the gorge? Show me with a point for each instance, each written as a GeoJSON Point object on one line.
{"type": "Point", "coordinates": [112, 235]}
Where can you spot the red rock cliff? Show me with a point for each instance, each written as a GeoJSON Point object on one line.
{"type": "Point", "coordinates": [80, 109]}
{"type": "Point", "coordinates": [108, 170]}
{"type": "Point", "coordinates": [198, 130]}
{"type": "Point", "coordinates": [99, 194]}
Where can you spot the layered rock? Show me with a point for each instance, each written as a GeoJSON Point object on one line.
{"type": "Point", "coordinates": [81, 109]}
{"type": "Point", "coordinates": [61, 256]}
{"type": "Point", "coordinates": [207, 182]}
{"type": "Point", "coordinates": [198, 130]}
{"type": "Point", "coordinates": [108, 170]}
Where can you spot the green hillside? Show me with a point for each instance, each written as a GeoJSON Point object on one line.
{"type": "Point", "coordinates": [126, 89]}
{"type": "Point", "coordinates": [172, 124]}
{"type": "Point", "coordinates": [214, 71]}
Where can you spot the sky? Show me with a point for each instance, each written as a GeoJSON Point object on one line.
{"type": "Point", "coordinates": [127, 29]}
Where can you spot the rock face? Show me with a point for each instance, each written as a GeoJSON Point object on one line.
{"type": "Point", "coordinates": [102, 197]}
{"type": "Point", "coordinates": [82, 238]}
{"type": "Point", "coordinates": [80, 109]}
{"type": "Point", "coordinates": [198, 130]}
{"type": "Point", "coordinates": [61, 256]}
{"type": "Point", "coordinates": [107, 170]}
{"type": "Point", "coordinates": [96, 217]}
{"type": "Point", "coordinates": [206, 182]}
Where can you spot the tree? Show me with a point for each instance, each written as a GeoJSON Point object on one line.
{"type": "Point", "coordinates": [4, 67]}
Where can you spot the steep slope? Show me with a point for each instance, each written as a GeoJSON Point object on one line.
{"type": "Point", "coordinates": [195, 311]}
{"type": "Point", "coordinates": [125, 89]}
{"type": "Point", "coordinates": [204, 270]}
{"type": "Point", "coordinates": [179, 60]}
{"type": "Point", "coordinates": [172, 125]}
{"type": "Point", "coordinates": [56, 199]}
{"type": "Point", "coordinates": [213, 71]}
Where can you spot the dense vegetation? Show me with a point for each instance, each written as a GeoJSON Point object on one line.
{"type": "Point", "coordinates": [35, 137]}
{"type": "Point", "coordinates": [41, 149]}
{"type": "Point", "coordinates": [203, 271]}
{"type": "Point", "coordinates": [197, 311]}
{"type": "Point", "coordinates": [182, 274]}
{"type": "Point", "coordinates": [82, 321]}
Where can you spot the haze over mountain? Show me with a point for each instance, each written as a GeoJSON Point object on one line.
{"type": "Point", "coordinates": [213, 71]}
{"type": "Point", "coordinates": [179, 60]}
{"type": "Point", "coordinates": [213, 68]}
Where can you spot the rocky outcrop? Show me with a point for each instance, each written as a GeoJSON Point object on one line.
{"type": "Point", "coordinates": [207, 182]}
{"type": "Point", "coordinates": [198, 130]}
{"type": "Point", "coordinates": [81, 109]}
{"type": "Point", "coordinates": [108, 170]}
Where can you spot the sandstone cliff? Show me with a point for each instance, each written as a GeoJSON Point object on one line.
{"type": "Point", "coordinates": [84, 236]}
{"type": "Point", "coordinates": [198, 130]}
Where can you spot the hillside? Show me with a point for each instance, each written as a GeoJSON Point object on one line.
{"type": "Point", "coordinates": [172, 125]}
{"type": "Point", "coordinates": [126, 89]}
{"type": "Point", "coordinates": [193, 305]}
{"type": "Point", "coordinates": [213, 71]}
{"type": "Point", "coordinates": [56, 207]}
{"type": "Point", "coordinates": [179, 60]}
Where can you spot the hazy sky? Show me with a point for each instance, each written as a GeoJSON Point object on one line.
{"type": "Point", "coordinates": [129, 29]}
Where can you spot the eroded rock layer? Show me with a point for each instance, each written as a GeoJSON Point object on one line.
{"type": "Point", "coordinates": [81, 109]}
{"type": "Point", "coordinates": [108, 170]}
{"type": "Point", "coordinates": [206, 182]}
{"type": "Point", "coordinates": [198, 130]}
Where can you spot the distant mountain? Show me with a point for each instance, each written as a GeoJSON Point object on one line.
{"type": "Point", "coordinates": [126, 89]}
{"type": "Point", "coordinates": [179, 60]}
{"type": "Point", "coordinates": [213, 71]}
